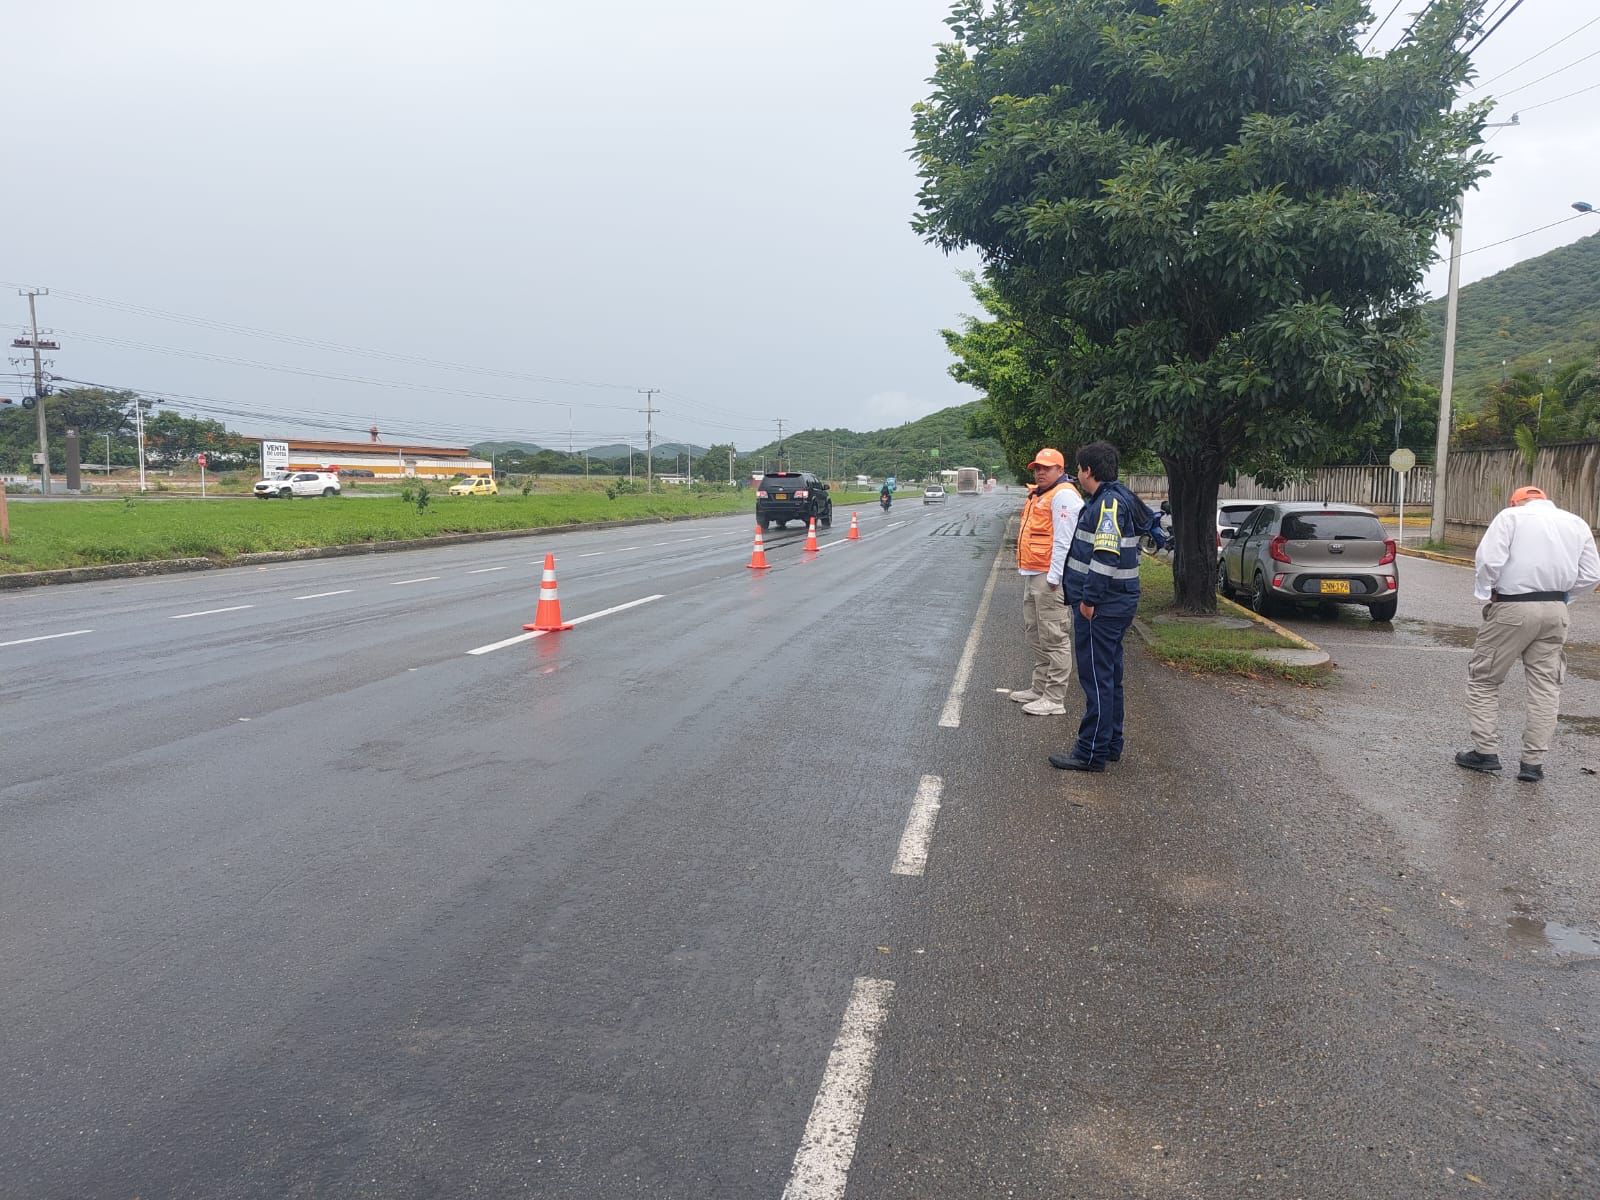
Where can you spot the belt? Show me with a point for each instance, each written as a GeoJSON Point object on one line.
{"type": "Point", "coordinates": [1527, 597]}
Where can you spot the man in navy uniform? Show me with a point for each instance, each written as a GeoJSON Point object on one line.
{"type": "Point", "coordinates": [1102, 588]}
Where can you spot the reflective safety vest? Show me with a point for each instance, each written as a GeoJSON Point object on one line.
{"type": "Point", "coordinates": [1036, 537]}
{"type": "Point", "coordinates": [1103, 564]}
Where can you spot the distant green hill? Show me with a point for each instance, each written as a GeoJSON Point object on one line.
{"type": "Point", "coordinates": [490, 449]}
{"type": "Point", "coordinates": [1543, 308]}
{"type": "Point", "coordinates": [934, 442]}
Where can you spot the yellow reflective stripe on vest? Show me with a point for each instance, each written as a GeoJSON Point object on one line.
{"type": "Point", "coordinates": [1108, 534]}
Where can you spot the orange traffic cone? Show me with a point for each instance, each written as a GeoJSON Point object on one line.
{"type": "Point", "coordinates": [811, 535]}
{"type": "Point", "coordinates": [547, 617]}
{"type": "Point", "coordinates": [855, 534]}
{"type": "Point", "coordinates": [758, 556]}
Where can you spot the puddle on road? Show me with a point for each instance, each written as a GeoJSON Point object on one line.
{"type": "Point", "coordinates": [1541, 937]}
{"type": "Point", "coordinates": [1588, 726]}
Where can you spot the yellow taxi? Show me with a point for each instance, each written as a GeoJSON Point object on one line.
{"type": "Point", "coordinates": [478, 485]}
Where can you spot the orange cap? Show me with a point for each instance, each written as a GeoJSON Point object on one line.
{"type": "Point", "coordinates": [1524, 494]}
{"type": "Point", "coordinates": [1047, 458]}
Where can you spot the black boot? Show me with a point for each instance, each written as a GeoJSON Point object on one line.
{"type": "Point", "coordinates": [1473, 761]}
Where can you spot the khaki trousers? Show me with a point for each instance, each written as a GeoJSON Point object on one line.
{"type": "Point", "coordinates": [1533, 633]}
{"type": "Point", "coordinates": [1047, 624]}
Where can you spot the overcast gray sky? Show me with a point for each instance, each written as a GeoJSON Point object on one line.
{"type": "Point", "coordinates": [709, 198]}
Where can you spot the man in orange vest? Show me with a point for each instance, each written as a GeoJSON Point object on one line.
{"type": "Point", "coordinates": [1049, 518]}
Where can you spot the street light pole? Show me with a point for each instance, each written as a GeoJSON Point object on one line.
{"type": "Point", "coordinates": [108, 454]}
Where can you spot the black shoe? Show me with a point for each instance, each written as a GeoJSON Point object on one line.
{"type": "Point", "coordinates": [1071, 762]}
{"type": "Point", "coordinates": [1530, 773]}
{"type": "Point", "coordinates": [1473, 761]}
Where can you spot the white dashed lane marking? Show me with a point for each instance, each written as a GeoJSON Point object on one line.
{"type": "Point", "coordinates": [828, 1146]}
{"type": "Point", "coordinates": [211, 611]}
{"type": "Point", "coordinates": [421, 579]}
{"type": "Point", "coordinates": [913, 856]}
{"type": "Point", "coordinates": [320, 595]}
{"type": "Point", "coordinates": [46, 637]}
{"type": "Point", "coordinates": [531, 634]}
{"type": "Point", "coordinates": [486, 570]}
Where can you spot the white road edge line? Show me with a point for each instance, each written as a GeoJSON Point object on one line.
{"type": "Point", "coordinates": [320, 595]}
{"type": "Point", "coordinates": [912, 858]}
{"type": "Point", "coordinates": [533, 633]}
{"type": "Point", "coordinates": [420, 579]}
{"type": "Point", "coordinates": [950, 717]}
{"type": "Point", "coordinates": [822, 1163]}
{"type": "Point", "coordinates": [486, 570]}
{"type": "Point", "coordinates": [46, 637]}
{"type": "Point", "coordinates": [208, 612]}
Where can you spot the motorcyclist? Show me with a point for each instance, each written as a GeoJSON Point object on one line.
{"type": "Point", "coordinates": [885, 495]}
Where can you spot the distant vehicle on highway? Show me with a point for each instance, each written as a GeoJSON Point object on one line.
{"type": "Point", "coordinates": [967, 481]}
{"type": "Point", "coordinates": [933, 494]}
{"type": "Point", "coordinates": [477, 485]}
{"type": "Point", "coordinates": [785, 496]}
{"type": "Point", "coordinates": [282, 485]}
{"type": "Point", "coordinates": [1292, 553]}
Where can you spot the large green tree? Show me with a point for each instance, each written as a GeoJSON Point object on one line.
{"type": "Point", "coordinates": [1203, 223]}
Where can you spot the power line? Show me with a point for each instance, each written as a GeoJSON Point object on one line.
{"type": "Point", "coordinates": [1524, 86]}
{"type": "Point", "coordinates": [1558, 99]}
{"type": "Point", "coordinates": [319, 343]}
{"type": "Point", "coordinates": [1485, 36]}
{"type": "Point", "coordinates": [1524, 233]}
{"type": "Point", "coordinates": [1531, 57]}
{"type": "Point", "coordinates": [1381, 24]}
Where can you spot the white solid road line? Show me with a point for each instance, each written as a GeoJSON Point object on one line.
{"type": "Point", "coordinates": [533, 633]}
{"type": "Point", "coordinates": [320, 595]}
{"type": "Point", "coordinates": [486, 570]}
{"type": "Point", "coordinates": [950, 717]}
{"type": "Point", "coordinates": [46, 637]}
{"type": "Point", "coordinates": [822, 1164]}
{"type": "Point", "coordinates": [210, 611]}
{"type": "Point", "coordinates": [422, 579]}
{"type": "Point", "coordinates": [913, 855]}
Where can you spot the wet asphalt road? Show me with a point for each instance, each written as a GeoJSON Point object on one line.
{"type": "Point", "coordinates": [303, 899]}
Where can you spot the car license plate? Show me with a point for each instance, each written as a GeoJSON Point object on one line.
{"type": "Point", "coordinates": [781, 496]}
{"type": "Point", "coordinates": [1336, 587]}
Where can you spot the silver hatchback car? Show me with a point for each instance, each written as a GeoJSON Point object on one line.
{"type": "Point", "coordinates": [1293, 553]}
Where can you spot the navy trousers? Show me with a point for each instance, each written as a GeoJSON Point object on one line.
{"type": "Point", "coordinates": [1097, 650]}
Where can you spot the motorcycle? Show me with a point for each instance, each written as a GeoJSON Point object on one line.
{"type": "Point", "coordinates": [884, 500]}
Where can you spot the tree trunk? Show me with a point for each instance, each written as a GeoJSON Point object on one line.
{"type": "Point", "coordinates": [1192, 485]}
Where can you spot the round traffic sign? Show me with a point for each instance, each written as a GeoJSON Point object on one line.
{"type": "Point", "coordinates": [1402, 461]}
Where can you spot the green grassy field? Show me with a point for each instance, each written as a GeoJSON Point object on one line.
{"type": "Point", "coordinates": [85, 533]}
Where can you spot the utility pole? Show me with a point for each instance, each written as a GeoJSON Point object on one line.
{"type": "Point", "coordinates": [33, 343]}
{"type": "Point", "coordinates": [649, 411]}
{"type": "Point", "coordinates": [1441, 444]}
{"type": "Point", "coordinates": [778, 421]}
{"type": "Point", "coordinates": [730, 466]}
{"type": "Point", "coordinates": [138, 425]}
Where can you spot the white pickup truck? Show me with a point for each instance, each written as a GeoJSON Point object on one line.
{"type": "Point", "coordinates": [281, 485]}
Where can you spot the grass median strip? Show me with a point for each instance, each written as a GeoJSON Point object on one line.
{"type": "Point", "coordinates": [1219, 645]}
{"type": "Point", "coordinates": [57, 534]}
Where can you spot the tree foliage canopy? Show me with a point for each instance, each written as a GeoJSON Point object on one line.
{"type": "Point", "coordinates": [1203, 223]}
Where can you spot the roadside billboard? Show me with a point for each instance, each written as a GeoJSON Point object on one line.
{"type": "Point", "coordinates": [274, 457]}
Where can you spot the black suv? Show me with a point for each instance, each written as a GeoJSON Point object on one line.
{"type": "Point", "coordinates": [785, 496]}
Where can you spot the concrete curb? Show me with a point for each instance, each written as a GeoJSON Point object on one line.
{"type": "Point", "coordinates": [174, 566]}
{"type": "Point", "coordinates": [1294, 637]}
{"type": "Point", "coordinates": [1431, 556]}
{"type": "Point", "coordinates": [1310, 655]}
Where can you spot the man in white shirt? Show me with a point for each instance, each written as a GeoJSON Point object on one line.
{"type": "Point", "coordinates": [1049, 517]}
{"type": "Point", "coordinates": [1532, 559]}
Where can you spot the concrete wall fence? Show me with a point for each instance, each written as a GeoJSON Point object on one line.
{"type": "Point", "coordinates": [1373, 486]}
{"type": "Point", "coordinates": [1479, 484]}
{"type": "Point", "coordinates": [1481, 481]}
